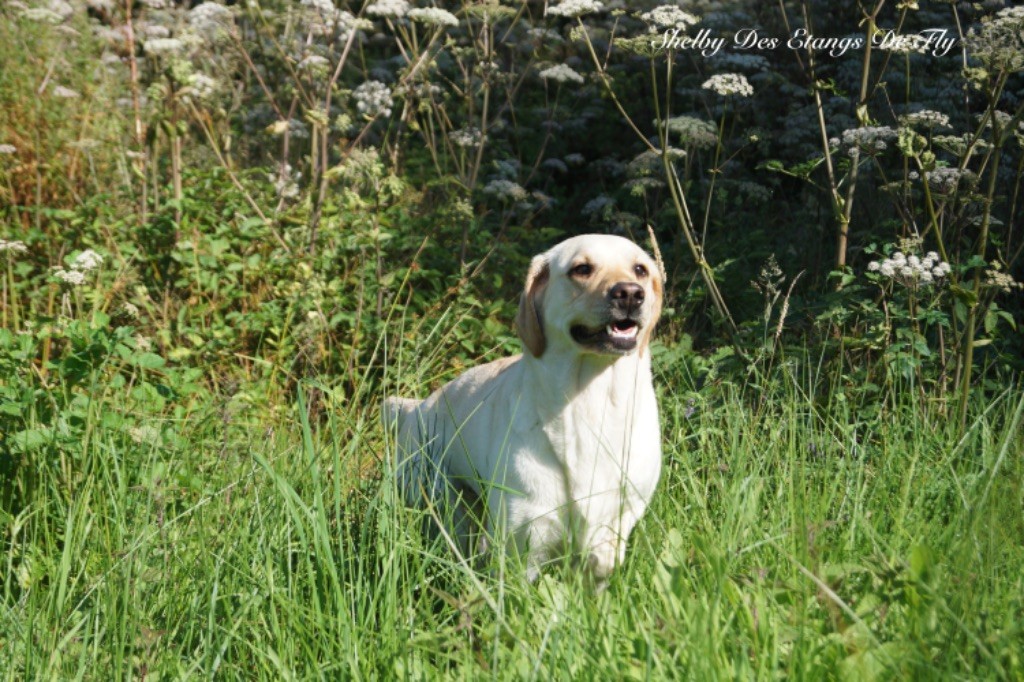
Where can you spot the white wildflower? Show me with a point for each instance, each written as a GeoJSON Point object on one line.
{"type": "Point", "coordinates": [373, 99]}
{"type": "Point", "coordinates": [393, 9]}
{"type": "Point", "coordinates": [87, 260]}
{"type": "Point", "coordinates": [649, 163]}
{"type": "Point", "coordinates": [41, 15]}
{"type": "Point", "coordinates": [315, 64]}
{"type": "Point", "coordinates": [466, 137]}
{"type": "Point", "coordinates": [598, 207]}
{"type": "Point", "coordinates": [869, 139]}
{"type": "Point", "coordinates": [561, 73]}
{"type": "Point", "coordinates": [1003, 281]}
{"type": "Point", "coordinates": [130, 309]}
{"type": "Point", "coordinates": [926, 119]}
{"type": "Point", "coordinates": [556, 165]}
{"type": "Point", "coordinates": [162, 47]}
{"type": "Point", "coordinates": [285, 181]}
{"type": "Point", "coordinates": [574, 8]}
{"type": "Point", "coordinates": [947, 180]}
{"type": "Point", "coordinates": [8, 149]}
{"type": "Point", "coordinates": [12, 246]}
{"type": "Point", "coordinates": [145, 434]}
{"type": "Point", "coordinates": [668, 17]}
{"type": "Point", "coordinates": [211, 21]}
{"type": "Point", "coordinates": [726, 84]}
{"type": "Point", "coordinates": [506, 168]}
{"type": "Point", "coordinates": [201, 86]}
{"type": "Point", "coordinates": [324, 7]}
{"type": "Point", "coordinates": [506, 190]}
{"type": "Point", "coordinates": [433, 16]}
{"type": "Point", "coordinates": [65, 93]}
{"type": "Point", "coordinates": [155, 31]}
{"type": "Point", "coordinates": [73, 277]}
{"type": "Point", "coordinates": [693, 131]}
{"type": "Point", "coordinates": [911, 270]}
{"type": "Point", "coordinates": [543, 200]}
{"type": "Point", "coordinates": [999, 42]}
{"type": "Point", "coordinates": [322, 18]}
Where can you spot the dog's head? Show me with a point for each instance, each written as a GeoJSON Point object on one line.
{"type": "Point", "coordinates": [592, 294]}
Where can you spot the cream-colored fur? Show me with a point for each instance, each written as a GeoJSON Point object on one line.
{"type": "Point", "coordinates": [556, 451]}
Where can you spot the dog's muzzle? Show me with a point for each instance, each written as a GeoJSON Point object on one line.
{"type": "Point", "coordinates": [621, 333]}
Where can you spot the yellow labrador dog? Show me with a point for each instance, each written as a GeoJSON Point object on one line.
{"type": "Point", "coordinates": [556, 451]}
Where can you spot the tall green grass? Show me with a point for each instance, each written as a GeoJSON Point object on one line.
{"type": "Point", "coordinates": [787, 538]}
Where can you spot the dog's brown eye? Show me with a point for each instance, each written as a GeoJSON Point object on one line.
{"type": "Point", "coordinates": [582, 270]}
{"type": "Point", "coordinates": [640, 270]}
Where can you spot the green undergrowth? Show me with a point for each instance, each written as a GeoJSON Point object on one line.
{"type": "Point", "coordinates": [786, 538]}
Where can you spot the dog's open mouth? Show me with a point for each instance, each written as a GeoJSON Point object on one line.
{"type": "Point", "coordinates": [617, 336]}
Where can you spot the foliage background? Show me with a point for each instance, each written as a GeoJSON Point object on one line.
{"type": "Point", "coordinates": [229, 229]}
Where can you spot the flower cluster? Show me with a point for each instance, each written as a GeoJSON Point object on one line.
{"type": "Point", "coordinates": [1004, 281]}
{"type": "Point", "coordinates": [12, 246]}
{"type": "Point", "coordinates": [668, 17]}
{"type": "Point", "coordinates": [83, 263]}
{"type": "Point", "coordinates": [947, 180]}
{"type": "Point", "coordinates": [868, 139]}
{"type": "Point", "coordinates": [911, 270]}
{"type": "Point", "coordinates": [560, 73]}
{"type": "Point", "coordinates": [56, 12]}
{"type": "Point", "coordinates": [926, 119]}
{"type": "Point", "coordinates": [373, 99]}
{"type": "Point", "coordinates": [391, 9]}
{"type": "Point", "coordinates": [506, 190]}
{"type": "Point", "coordinates": [466, 137]}
{"type": "Point", "coordinates": [211, 21]}
{"type": "Point", "coordinates": [598, 207]}
{"type": "Point", "coordinates": [574, 8]}
{"type": "Point", "coordinates": [323, 7]}
{"type": "Point", "coordinates": [164, 47]}
{"type": "Point", "coordinates": [315, 65]}
{"type": "Point", "coordinates": [8, 149]}
{"type": "Point", "coordinates": [693, 131]}
{"type": "Point", "coordinates": [201, 86]}
{"type": "Point", "coordinates": [649, 163]}
{"type": "Point", "coordinates": [322, 18]}
{"type": "Point", "coordinates": [726, 84]}
{"type": "Point", "coordinates": [999, 42]}
{"type": "Point", "coordinates": [434, 16]}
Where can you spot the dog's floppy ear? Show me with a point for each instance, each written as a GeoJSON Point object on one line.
{"type": "Point", "coordinates": [658, 287]}
{"type": "Point", "coordinates": [529, 322]}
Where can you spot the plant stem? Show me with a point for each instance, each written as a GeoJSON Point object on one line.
{"type": "Point", "coordinates": [972, 313]}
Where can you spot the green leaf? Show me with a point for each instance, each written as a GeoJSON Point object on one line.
{"type": "Point", "coordinates": [31, 439]}
{"type": "Point", "coordinates": [149, 361]}
{"type": "Point", "coordinates": [966, 296]}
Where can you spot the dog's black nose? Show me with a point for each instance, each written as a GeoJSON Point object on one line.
{"type": "Point", "coordinates": [627, 295]}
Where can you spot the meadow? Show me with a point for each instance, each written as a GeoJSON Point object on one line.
{"type": "Point", "coordinates": [227, 231]}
